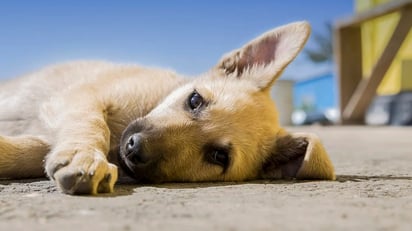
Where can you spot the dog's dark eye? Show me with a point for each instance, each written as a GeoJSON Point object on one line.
{"type": "Point", "coordinates": [195, 101]}
{"type": "Point", "coordinates": [219, 156]}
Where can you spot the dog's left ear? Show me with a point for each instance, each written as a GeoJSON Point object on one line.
{"type": "Point", "coordinates": [263, 59]}
{"type": "Point", "coordinates": [300, 156]}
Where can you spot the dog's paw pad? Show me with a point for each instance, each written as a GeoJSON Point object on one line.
{"type": "Point", "coordinates": [53, 166]}
{"type": "Point", "coordinates": [87, 174]}
{"type": "Point", "coordinates": [58, 160]}
{"type": "Point", "coordinates": [73, 182]}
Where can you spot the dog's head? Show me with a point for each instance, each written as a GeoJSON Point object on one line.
{"type": "Point", "coordinates": [224, 126]}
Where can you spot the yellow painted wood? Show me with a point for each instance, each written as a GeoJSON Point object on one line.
{"type": "Point", "coordinates": [375, 35]}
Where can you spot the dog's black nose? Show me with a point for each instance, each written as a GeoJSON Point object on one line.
{"type": "Point", "coordinates": [134, 150]}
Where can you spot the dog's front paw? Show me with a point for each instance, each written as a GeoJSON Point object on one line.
{"type": "Point", "coordinates": [82, 172]}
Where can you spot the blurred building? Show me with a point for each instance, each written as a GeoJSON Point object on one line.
{"type": "Point", "coordinates": [393, 104]}
{"type": "Point", "coordinates": [315, 94]}
{"type": "Point", "coordinates": [373, 56]}
{"type": "Point", "coordinates": [315, 100]}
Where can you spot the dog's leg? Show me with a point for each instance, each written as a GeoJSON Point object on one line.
{"type": "Point", "coordinates": [78, 160]}
{"type": "Point", "coordinates": [22, 157]}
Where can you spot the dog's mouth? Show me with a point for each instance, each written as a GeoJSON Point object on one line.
{"type": "Point", "coordinates": [141, 174]}
{"type": "Point", "coordinates": [125, 167]}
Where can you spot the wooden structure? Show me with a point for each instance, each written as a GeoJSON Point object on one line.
{"type": "Point", "coordinates": [356, 92]}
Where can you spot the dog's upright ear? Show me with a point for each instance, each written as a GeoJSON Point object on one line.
{"type": "Point", "coordinates": [300, 156]}
{"type": "Point", "coordinates": [263, 59]}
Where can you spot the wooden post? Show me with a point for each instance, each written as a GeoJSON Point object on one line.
{"type": "Point", "coordinates": [348, 56]}
{"type": "Point", "coordinates": [366, 90]}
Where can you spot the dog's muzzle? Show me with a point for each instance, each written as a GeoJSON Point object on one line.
{"type": "Point", "coordinates": [134, 159]}
{"type": "Point", "coordinates": [133, 150]}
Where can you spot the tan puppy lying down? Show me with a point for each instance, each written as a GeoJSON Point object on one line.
{"type": "Point", "coordinates": [77, 122]}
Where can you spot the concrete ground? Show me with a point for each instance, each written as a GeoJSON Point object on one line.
{"type": "Point", "coordinates": [373, 192]}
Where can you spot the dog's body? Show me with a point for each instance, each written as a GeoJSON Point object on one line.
{"type": "Point", "coordinates": [82, 117]}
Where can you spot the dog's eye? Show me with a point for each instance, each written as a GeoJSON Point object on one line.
{"type": "Point", "coordinates": [218, 156]}
{"type": "Point", "coordinates": [195, 101]}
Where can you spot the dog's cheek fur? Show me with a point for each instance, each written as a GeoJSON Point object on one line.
{"type": "Point", "coordinates": [235, 119]}
{"type": "Point", "coordinates": [181, 156]}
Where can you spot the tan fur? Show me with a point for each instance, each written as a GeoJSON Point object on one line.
{"type": "Point", "coordinates": [79, 115]}
{"type": "Point", "coordinates": [316, 164]}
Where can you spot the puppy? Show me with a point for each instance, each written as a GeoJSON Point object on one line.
{"type": "Point", "coordinates": [77, 122]}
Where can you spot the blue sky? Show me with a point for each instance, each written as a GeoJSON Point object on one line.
{"type": "Point", "coordinates": [185, 35]}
